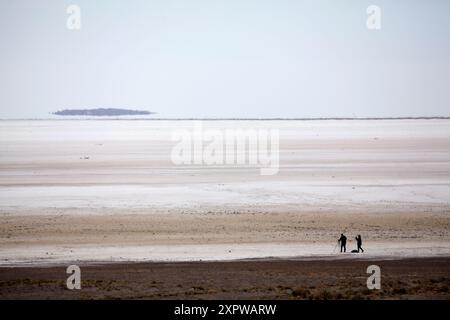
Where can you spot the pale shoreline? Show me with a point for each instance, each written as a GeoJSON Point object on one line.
{"type": "Point", "coordinates": [171, 254]}
{"type": "Point", "coordinates": [86, 185]}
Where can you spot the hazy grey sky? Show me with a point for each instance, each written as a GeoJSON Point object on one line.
{"type": "Point", "coordinates": [228, 58]}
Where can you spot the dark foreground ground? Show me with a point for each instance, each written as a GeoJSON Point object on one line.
{"type": "Point", "coordinates": [424, 278]}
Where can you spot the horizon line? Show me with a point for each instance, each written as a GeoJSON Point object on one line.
{"type": "Point", "coordinates": [229, 119]}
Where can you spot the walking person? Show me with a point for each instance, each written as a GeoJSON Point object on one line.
{"type": "Point", "coordinates": [359, 243]}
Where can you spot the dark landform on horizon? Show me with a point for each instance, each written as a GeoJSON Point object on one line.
{"type": "Point", "coordinates": [101, 112]}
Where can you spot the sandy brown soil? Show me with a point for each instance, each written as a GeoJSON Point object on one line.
{"type": "Point", "coordinates": [224, 226]}
{"type": "Point", "coordinates": [221, 235]}
{"type": "Point", "coordinates": [426, 278]}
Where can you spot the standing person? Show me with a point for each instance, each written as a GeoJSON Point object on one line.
{"type": "Point", "coordinates": [359, 243]}
{"type": "Point", "coordinates": [343, 241]}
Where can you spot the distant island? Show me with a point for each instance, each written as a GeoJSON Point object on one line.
{"type": "Point", "coordinates": [101, 112]}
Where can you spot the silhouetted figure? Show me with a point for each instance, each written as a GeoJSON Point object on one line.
{"type": "Point", "coordinates": [359, 243]}
{"type": "Point", "coordinates": [343, 241]}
